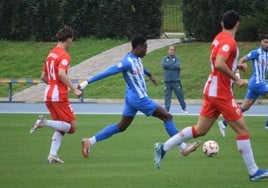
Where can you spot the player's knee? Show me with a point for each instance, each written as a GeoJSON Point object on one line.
{"type": "Point", "coordinates": [199, 132]}
{"type": "Point", "coordinates": [245, 108]}
{"type": "Point", "coordinates": [72, 130]}
{"type": "Point", "coordinates": [168, 117]}
{"type": "Point", "coordinates": [122, 129]}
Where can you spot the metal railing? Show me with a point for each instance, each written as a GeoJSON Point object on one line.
{"type": "Point", "coordinates": [172, 19]}
{"type": "Point", "coordinates": [11, 81]}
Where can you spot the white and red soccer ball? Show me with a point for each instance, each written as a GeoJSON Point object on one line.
{"type": "Point", "coordinates": [211, 148]}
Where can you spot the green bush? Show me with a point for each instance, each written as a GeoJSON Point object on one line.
{"type": "Point", "coordinates": [202, 18]}
{"type": "Point", "coordinates": [40, 20]}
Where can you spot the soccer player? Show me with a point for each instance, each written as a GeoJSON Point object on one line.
{"type": "Point", "coordinates": [136, 98]}
{"type": "Point", "coordinates": [55, 75]}
{"type": "Point", "coordinates": [219, 99]}
{"type": "Point", "coordinates": [256, 85]}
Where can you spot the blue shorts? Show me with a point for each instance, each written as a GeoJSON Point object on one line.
{"type": "Point", "coordinates": [255, 90]}
{"type": "Point", "coordinates": [145, 105]}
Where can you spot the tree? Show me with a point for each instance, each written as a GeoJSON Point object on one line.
{"type": "Point", "coordinates": [41, 19]}
{"type": "Point", "coordinates": [201, 18]}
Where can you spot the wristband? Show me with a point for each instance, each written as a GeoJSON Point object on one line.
{"type": "Point", "coordinates": [83, 85]}
{"type": "Point", "coordinates": [238, 75]}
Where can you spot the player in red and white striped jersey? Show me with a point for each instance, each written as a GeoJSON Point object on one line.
{"type": "Point", "coordinates": [219, 99]}
{"type": "Point", "coordinates": [55, 74]}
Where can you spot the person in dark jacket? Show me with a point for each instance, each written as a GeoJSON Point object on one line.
{"type": "Point", "coordinates": [171, 66]}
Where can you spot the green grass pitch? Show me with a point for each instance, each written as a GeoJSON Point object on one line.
{"type": "Point", "coordinates": [124, 160]}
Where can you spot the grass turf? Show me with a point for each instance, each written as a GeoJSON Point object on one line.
{"type": "Point", "coordinates": [125, 160]}
{"type": "Point", "coordinates": [27, 57]}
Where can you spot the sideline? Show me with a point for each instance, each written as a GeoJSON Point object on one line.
{"type": "Point", "coordinates": [97, 108]}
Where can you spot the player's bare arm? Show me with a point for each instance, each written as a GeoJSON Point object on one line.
{"type": "Point", "coordinates": [65, 79]}
{"type": "Point", "coordinates": [152, 78]}
{"type": "Point", "coordinates": [221, 65]}
{"type": "Point", "coordinates": [146, 71]}
{"type": "Point", "coordinates": [242, 64]}
{"type": "Point", "coordinates": [44, 77]}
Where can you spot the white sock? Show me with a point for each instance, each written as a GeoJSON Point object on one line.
{"type": "Point", "coordinates": [58, 125]}
{"type": "Point", "coordinates": [179, 138]}
{"type": "Point", "coordinates": [92, 140]}
{"type": "Point", "coordinates": [55, 143]}
{"type": "Point", "coordinates": [182, 146]}
{"type": "Point", "coordinates": [244, 147]}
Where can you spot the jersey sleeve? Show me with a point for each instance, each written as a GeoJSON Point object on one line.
{"type": "Point", "coordinates": [64, 62]}
{"type": "Point", "coordinates": [252, 55]}
{"type": "Point", "coordinates": [114, 69]}
{"type": "Point", "coordinates": [226, 48]}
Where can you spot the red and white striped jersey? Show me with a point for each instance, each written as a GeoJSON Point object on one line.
{"type": "Point", "coordinates": [218, 85]}
{"type": "Point", "coordinates": [56, 90]}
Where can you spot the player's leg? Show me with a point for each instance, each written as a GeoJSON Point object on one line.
{"type": "Point", "coordinates": [54, 147]}
{"type": "Point", "coordinates": [167, 118]}
{"type": "Point", "coordinates": [108, 131]}
{"type": "Point", "coordinates": [168, 93]}
{"type": "Point", "coordinates": [266, 96]}
{"type": "Point", "coordinates": [208, 116]}
{"type": "Point", "coordinates": [64, 121]}
{"type": "Point", "coordinates": [179, 94]}
{"type": "Point", "coordinates": [236, 121]}
{"type": "Point", "coordinates": [250, 98]}
{"type": "Point", "coordinates": [202, 127]}
{"type": "Point", "coordinates": [171, 129]}
{"type": "Point", "coordinates": [266, 125]}
{"type": "Point", "coordinates": [244, 146]}
{"type": "Point", "coordinates": [112, 129]}
{"type": "Point", "coordinates": [61, 113]}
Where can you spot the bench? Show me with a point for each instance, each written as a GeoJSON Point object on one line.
{"type": "Point", "coordinates": [11, 81]}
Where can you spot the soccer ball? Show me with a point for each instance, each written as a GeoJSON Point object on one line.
{"type": "Point", "coordinates": [211, 148]}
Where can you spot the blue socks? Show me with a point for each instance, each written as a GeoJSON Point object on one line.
{"type": "Point", "coordinates": [170, 128]}
{"type": "Point", "coordinates": [107, 132]}
{"type": "Point", "coordinates": [225, 122]}
{"type": "Point", "coordinates": [110, 130]}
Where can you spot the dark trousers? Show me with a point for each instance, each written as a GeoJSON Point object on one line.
{"type": "Point", "coordinates": [176, 86]}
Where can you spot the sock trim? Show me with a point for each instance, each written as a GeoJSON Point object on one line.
{"type": "Point", "coordinates": [242, 137]}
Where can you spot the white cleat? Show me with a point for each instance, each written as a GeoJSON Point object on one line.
{"type": "Point", "coordinates": [37, 124]}
{"type": "Point", "coordinates": [54, 159]}
{"type": "Point", "coordinates": [85, 147]}
{"type": "Point", "coordinates": [222, 128]}
{"type": "Point", "coordinates": [190, 148]}
{"type": "Point", "coordinates": [184, 112]}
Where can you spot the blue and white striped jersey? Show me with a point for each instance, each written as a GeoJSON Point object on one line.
{"type": "Point", "coordinates": [259, 59]}
{"type": "Point", "coordinates": [134, 76]}
{"type": "Point", "coordinates": [133, 72]}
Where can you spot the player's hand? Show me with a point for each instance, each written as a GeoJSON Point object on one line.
{"type": "Point", "coordinates": [239, 82]}
{"type": "Point", "coordinates": [242, 67]}
{"type": "Point", "coordinates": [78, 92]}
{"type": "Point", "coordinates": [153, 80]}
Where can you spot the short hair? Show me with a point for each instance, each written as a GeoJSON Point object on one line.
{"type": "Point", "coordinates": [229, 19]}
{"type": "Point", "coordinates": [64, 33]}
{"type": "Point", "coordinates": [137, 41]}
{"type": "Point", "coordinates": [265, 36]}
{"type": "Point", "coordinates": [172, 45]}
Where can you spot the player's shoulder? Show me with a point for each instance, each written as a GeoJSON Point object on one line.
{"type": "Point", "coordinates": [254, 53]}
{"type": "Point", "coordinates": [62, 53]}
{"type": "Point", "coordinates": [225, 37]}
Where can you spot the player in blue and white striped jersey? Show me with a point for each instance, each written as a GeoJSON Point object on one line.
{"type": "Point", "coordinates": [136, 98]}
{"type": "Point", "coordinates": [256, 85]}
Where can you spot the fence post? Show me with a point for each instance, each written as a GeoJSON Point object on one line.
{"type": "Point", "coordinates": [10, 92]}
